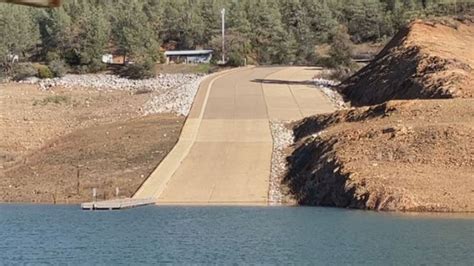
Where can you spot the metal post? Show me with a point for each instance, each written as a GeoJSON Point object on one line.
{"type": "Point", "coordinates": [94, 194]}
{"type": "Point", "coordinates": [223, 35]}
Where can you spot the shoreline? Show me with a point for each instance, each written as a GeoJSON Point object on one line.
{"type": "Point", "coordinates": [398, 214]}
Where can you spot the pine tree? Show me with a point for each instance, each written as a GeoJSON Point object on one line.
{"type": "Point", "coordinates": [133, 33]}
{"type": "Point", "coordinates": [55, 29]}
{"type": "Point", "coordinates": [18, 30]}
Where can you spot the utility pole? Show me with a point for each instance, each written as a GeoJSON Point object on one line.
{"type": "Point", "coordinates": [223, 35]}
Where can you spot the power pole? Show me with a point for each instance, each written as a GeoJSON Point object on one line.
{"type": "Point", "coordinates": [223, 35]}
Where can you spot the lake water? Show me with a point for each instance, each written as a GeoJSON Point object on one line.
{"type": "Point", "coordinates": [241, 235]}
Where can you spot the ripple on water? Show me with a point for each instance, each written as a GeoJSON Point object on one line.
{"type": "Point", "coordinates": [150, 235]}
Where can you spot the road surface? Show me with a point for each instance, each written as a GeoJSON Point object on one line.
{"type": "Point", "coordinates": [224, 152]}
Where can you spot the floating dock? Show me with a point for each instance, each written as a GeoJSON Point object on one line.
{"type": "Point", "coordinates": [117, 204]}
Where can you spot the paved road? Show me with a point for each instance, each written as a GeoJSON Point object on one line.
{"type": "Point", "coordinates": [224, 152]}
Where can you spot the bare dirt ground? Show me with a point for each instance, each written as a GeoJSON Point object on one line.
{"type": "Point", "coordinates": [56, 145]}
{"type": "Point", "coordinates": [427, 59]}
{"type": "Point", "coordinates": [400, 155]}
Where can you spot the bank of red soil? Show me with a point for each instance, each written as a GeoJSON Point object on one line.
{"type": "Point", "coordinates": [427, 59]}
{"type": "Point", "coordinates": [57, 145]}
{"type": "Point", "coordinates": [397, 156]}
{"type": "Point", "coordinates": [390, 154]}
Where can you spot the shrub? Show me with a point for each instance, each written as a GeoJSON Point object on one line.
{"type": "Point", "coordinates": [143, 70]}
{"type": "Point", "coordinates": [235, 59]}
{"type": "Point", "coordinates": [96, 65]}
{"type": "Point", "coordinates": [23, 71]}
{"type": "Point", "coordinates": [341, 49]}
{"type": "Point", "coordinates": [58, 68]}
{"type": "Point", "coordinates": [45, 73]}
{"type": "Point", "coordinates": [56, 99]}
{"type": "Point", "coordinates": [52, 56]}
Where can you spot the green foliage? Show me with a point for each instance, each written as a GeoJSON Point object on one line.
{"type": "Point", "coordinates": [18, 30]}
{"type": "Point", "coordinates": [258, 31]}
{"type": "Point", "coordinates": [341, 49]}
{"type": "Point", "coordinates": [144, 70]}
{"type": "Point", "coordinates": [235, 59]}
{"type": "Point", "coordinates": [133, 33]}
{"type": "Point", "coordinates": [55, 99]}
{"type": "Point", "coordinates": [23, 71]}
{"type": "Point", "coordinates": [44, 73]}
{"type": "Point", "coordinates": [58, 68]}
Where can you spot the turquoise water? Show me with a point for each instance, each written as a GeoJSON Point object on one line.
{"type": "Point", "coordinates": [224, 235]}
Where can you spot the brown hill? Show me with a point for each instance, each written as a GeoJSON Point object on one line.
{"type": "Point", "coordinates": [401, 155]}
{"type": "Point", "coordinates": [427, 59]}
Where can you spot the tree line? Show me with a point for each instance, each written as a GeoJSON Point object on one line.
{"type": "Point", "coordinates": [259, 31]}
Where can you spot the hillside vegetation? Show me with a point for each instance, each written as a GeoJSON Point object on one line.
{"type": "Point", "coordinates": [263, 32]}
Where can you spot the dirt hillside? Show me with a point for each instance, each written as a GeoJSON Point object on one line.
{"type": "Point", "coordinates": [427, 59]}
{"type": "Point", "coordinates": [397, 155]}
{"type": "Point", "coordinates": [401, 155]}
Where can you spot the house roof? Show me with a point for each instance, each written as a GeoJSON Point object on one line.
{"type": "Point", "coordinates": [188, 52]}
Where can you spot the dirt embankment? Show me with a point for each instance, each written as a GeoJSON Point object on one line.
{"type": "Point", "coordinates": [398, 155]}
{"type": "Point", "coordinates": [410, 156]}
{"type": "Point", "coordinates": [424, 60]}
{"type": "Point", "coordinates": [57, 145]}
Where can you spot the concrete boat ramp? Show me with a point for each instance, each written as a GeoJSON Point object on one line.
{"type": "Point", "coordinates": [223, 156]}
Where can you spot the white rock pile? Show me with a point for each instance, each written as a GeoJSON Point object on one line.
{"type": "Point", "coordinates": [327, 87]}
{"type": "Point", "coordinates": [282, 139]}
{"type": "Point", "coordinates": [177, 100]}
{"type": "Point", "coordinates": [173, 92]}
{"type": "Point", "coordinates": [113, 82]}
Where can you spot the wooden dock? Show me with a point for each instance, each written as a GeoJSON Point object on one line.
{"type": "Point", "coordinates": [117, 204]}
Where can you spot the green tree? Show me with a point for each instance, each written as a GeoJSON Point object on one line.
{"type": "Point", "coordinates": [92, 38]}
{"type": "Point", "coordinates": [18, 30]}
{"type": "Point", "coordinates": [133, 34]}
{"type": "Point", "coordinates": [55, 30]}
{"type": "Point", "coordinates": [269, 38]}
{"type": "Point", "coordinates": [341, 49]}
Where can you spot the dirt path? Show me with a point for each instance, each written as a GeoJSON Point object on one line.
{"type": "Point", "coordinates": [224, 152]}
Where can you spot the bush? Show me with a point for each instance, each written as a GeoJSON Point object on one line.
{"type": "Point", "coordinates": [96, 65]}
{"type": "Point", "coordinates": [235, 60]}
{"type": "Point", "coordinates": [52, 56]}
{"type": "Point", "coordinates": [45, 73]}
{"type": "Point", "coordinates": [58, 68]}
{"type": "Point", "coordinates": [23, 71]}
{"type": "Point", "coordinates": [143, 70]}
{"type": "Point", "coordinates": [341, 49]}
{"type": "Point", "coordinates": [56, 99]}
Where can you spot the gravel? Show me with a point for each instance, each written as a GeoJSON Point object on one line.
{"type": "Point", "coordinates": [328, 88]}
{"type": "Point", "coordinates": [282, 139]}
{"type": "Point", "coordinates": [174, 93]}
{"type": "Point", "coordinates": [178, 100]}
